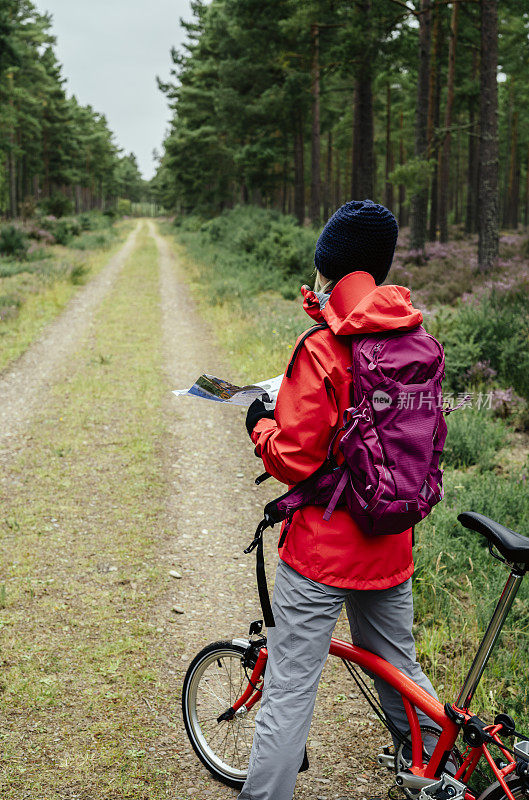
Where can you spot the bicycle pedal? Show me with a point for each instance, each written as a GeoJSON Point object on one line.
{"type": "Point", "coordinates": [386, 759]}
{"type": "Point", "coordinates": [446, 788]}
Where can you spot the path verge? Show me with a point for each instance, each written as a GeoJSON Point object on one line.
{"type": "Point", "coordinates": [83, 504]}
{"type": "Point", "coordinates": [23, 384]}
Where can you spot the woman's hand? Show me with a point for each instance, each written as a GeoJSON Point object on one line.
{"type": "Point", "coordinates": [257, 411]}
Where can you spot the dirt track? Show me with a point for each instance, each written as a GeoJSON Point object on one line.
{"type": "Point", "coordinates": [208, 466]}
{"type": "Point", "coordinates": [23, 386]}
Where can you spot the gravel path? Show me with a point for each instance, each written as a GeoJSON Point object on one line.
{"type": "Point", "coordinates": [24, 384]}
{"type": "Point", "coordinates": [214, 510]}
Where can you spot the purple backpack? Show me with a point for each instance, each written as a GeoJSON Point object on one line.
{"type": "Point", "coordinates": [393, 436]}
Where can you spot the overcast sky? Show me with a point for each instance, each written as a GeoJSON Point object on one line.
{"type": "Point", "coordinates": [111, 52]}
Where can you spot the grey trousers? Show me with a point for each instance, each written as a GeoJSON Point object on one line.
{"type": "Point", "coordinates": [305, 613]}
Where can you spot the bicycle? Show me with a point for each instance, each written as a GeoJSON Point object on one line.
{"type": "Point", "coordinates": [219, 696]}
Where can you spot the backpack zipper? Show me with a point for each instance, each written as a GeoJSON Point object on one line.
{"type": "Point", "coordinates": [374, 356]}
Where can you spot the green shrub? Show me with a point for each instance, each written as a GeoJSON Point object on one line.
{"type": "Point", "coordinates": [94, 221]}
{"type": "Point", "coordinates": [496, 329]}
{"type": "Point", "coordinates": [251, 250]}
{"type": "Point", "coordinates": [36, 253]}
{"type": "Point", "coordinates": [85, 221]}
{"type": "Point", "coordinates": [472, 438]}
{"type": "Point", "coordinates": [93, 240]}
{"type": "Point", "coordinates": [124, 206]}
{"type": "Point", "coordinates": [9, 306]}
{"type": "Point", "coordinates": [192, 223]}
{"type": "Point", "coordinates": [63, 230]}
{"type": "Point", "coordinates": [457, 585]}
{"type": "Point", "coordinates": [58, 205]}
{"type": "Point", "coordinates": [13, 241]}
{"type": "Point", "coordinates": [27, 207]}
{"type": "Point", "coordinates": [79, 274]}
{"type": "Point", "coordinates": [521, 417]}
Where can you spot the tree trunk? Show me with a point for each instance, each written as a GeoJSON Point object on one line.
{"type": "Point", "coordinates": [526, 210]}
{"type": "Point", "coordinates": [433, 80]}
{"type": "Point", "coordinates": [388, 194]}
{"type": "Point", "coordinates": [503, 196]}
{"type": "Point", "coordinates": [471, 158]}
{"type": "Point", "coordinates": [315, 169]}
{"type": "Point", "coordinates": [516, 196]}
{"type": "Point", "coordinates": [510, 217]}
{"type": "Point", "coordinates": [434, 203]}
{"type": "Point", "coordinates": [457, 188]}
{"type": "Point", "coordinates": [12, 178]}
{"type": "Point", "coordinates": [403, 211]}
{"type": "Point", "coordinates": [432, 125]}
{"type": "Point", "coordinates": [327, 193]}
{"type": "Point", "coordinates": [337, 176]}
{"type": "Point", "coordinates": [488, 139]}
{"type": "Point", "coordinates": [444, 165]}
{"type": "Point", "coordinates": [419, 200]}
{"type": "Point", "coordinates": [11, 160]}
{"type": "Point", "coordinates": [24, 180]}
{"type": "Point", "coordinates": [299, 171]}
{"type": "Point", "coordinates": [473, 140]}
{"type": "Point", "coordinates": [284, 186]}
{"type": "Point", "coordinates": [362, 178]}
{"type": "Point", "coordinates": [362, 182]}
{"type": "Point", "coordinates": [348, 172]}
{"type": "Point", "coordinates": [355, 163]}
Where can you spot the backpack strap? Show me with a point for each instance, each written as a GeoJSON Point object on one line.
{"type": "Point", "coordinates": [260, 570]}
{"type": "Point", "coordinates": [275, 511]}
{"type": "Point", "coordinates": [337, 494]}
{"type": "Point", "coordinates": [320, 327]}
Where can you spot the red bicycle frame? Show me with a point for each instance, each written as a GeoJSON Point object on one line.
{"type": "Point", "coordinates": [413, 696]}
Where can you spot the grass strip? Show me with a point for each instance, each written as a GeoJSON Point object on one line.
{"type": "Point", "coordinates": [33, 297]}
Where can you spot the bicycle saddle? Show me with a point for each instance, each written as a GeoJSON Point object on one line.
{"type": "Point", "coordinates": [513, 546]}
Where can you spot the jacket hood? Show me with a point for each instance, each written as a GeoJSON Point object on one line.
{"type": "Point", "coordinates": [358, 305]}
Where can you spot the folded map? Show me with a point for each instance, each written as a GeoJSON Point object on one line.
{"type": "Point", "coordinates": [208, 387]}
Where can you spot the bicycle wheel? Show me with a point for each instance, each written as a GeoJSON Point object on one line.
{"type": "Point", "coordinates": [496, 792]}
{"type": "Point", "coordinates": [214, 680]}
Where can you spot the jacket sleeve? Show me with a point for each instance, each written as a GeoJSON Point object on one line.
{"type": "Point", "coordinates": [295, 443]}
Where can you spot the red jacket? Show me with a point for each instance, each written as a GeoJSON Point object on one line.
{"type": "Point", "coordinates": [309, 410]}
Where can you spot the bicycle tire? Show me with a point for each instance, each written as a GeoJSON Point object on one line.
{"type": "Point", "coordinates": [214, 679]}
{"type": "Point", "coordinates": [496, 792]}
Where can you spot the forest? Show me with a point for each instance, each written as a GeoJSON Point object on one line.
{"type": "Point", "coordinates": [302, 106]}
{"type": "Point", "coordinates": [54, 151]}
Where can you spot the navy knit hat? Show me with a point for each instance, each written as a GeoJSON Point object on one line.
{"type": "Point", "coordinates": [360, 235]}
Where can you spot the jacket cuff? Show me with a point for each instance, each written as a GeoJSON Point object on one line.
{"type": "Point", "coordinates": [263, 425]}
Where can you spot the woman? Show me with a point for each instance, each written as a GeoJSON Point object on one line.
{"type": "Point", "coordinates": [326, 563]}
